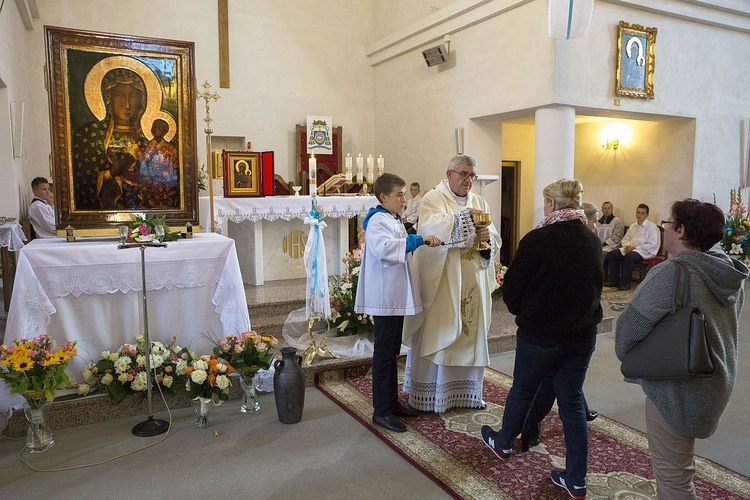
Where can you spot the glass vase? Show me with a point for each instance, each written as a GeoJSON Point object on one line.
{"type": "Point", "coordinates": [39, 438]}
{"type": "Point", "coordinates": [250, 403]}
{"type": "Point", "coordinates": [202, 409]}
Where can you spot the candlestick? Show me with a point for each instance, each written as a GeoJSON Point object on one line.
{"type": "Point", "coordinates": [359, 169]}
{"type": "Point", "coordinates": [313, 175]}
{"type": "Point", "coordinates": [381, 165]}
{"type": "Point", "coordinates": [370, 175]}
{"type": "Point", "coordinates": [348, 167]}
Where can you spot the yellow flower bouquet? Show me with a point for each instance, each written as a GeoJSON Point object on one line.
{"type": "Point", "coordinates": [33, 369]}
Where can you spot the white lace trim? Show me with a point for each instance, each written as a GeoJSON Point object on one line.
{"type": "Point", "coordinates": [463, 228]}
{"type": "Point", "coordinates": [441, 397]}
{"type": "Point", "coordinates": [337, 210]}
{"type": "Point", "coordinates": [11, 236]}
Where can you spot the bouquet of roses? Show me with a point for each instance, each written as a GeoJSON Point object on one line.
{"type": "Point", "coordinates": [343, 291]}
{"type": "Point", "coordinates": [143, 230]}
{"type": "Point", "coordinates": [208, 379]}
{"type": "Point", "coordinates": [124, 370]}
{"type": "Point", "coordinates": [33, 369]}
{"type": "Point", "coordinates": [736, 240]}
{"type": "Point", "coordinates": [499, 277]}
{"type": "Point", "coordinates": [247, 352]}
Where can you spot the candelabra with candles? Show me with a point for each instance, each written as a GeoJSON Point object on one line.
{"type": "Point", "coordinates": [151, 426]}
{"type": "Point", "coordinates": [361, 179]}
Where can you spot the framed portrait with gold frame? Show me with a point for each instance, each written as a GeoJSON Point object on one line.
{"type": "Point", "coordinates": [122, 114]}
{"type": "Point", "coordinates": [635, 60]}
{"type": "Point", "coordinates": [242, 174]}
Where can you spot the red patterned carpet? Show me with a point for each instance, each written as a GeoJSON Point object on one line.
{"type": "Point", "coordinates": [448, 449]}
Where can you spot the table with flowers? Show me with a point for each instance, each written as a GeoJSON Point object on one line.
{"type": "Point", "coordinates": [270, 233]}
{"type": "Point", "coordinates": [91, 292]}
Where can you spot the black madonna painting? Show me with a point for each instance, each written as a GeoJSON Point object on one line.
{"type": "Point", "coordinates": [123, 135]}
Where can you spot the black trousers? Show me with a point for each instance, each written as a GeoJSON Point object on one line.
{"type": "Point", "coordinates": [388, 334]}
{"type": "Point", "coordinates": [614, 260]}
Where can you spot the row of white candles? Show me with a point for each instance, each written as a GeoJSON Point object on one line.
{"type": "Point", "coordinates": [313, 168]}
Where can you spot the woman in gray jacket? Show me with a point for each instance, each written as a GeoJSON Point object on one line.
{"type": "Point", "coordinates": [678, 411]}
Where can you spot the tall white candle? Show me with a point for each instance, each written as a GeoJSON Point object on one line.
{"type": "Point", "coordinates": [348, 167]}
{"type": "Point", "coordinates": [381, 165]}
{"type": "Point", "coordinates": [370, 175]}
{"type": "Point", "coordinates": [359, 169]}
{"type": "Point", "coordinates": [313, 175]}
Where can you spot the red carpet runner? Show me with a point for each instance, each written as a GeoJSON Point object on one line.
{"type": "Point", "coordinates": [448, 449]}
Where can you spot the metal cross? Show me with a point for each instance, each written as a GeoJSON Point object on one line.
{"type": "Point", "coordinates": [206, 94]}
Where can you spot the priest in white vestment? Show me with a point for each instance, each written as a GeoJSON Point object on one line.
{"type": "Point", "coordinates": [448, 339]}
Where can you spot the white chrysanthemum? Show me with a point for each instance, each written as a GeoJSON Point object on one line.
{"type": "Point", "coordinates": [198, 376]}
{"type": "Point", "coordinates": [108, 378]}
{"type": "Point", "coordinates": [222, 381]}
{"type": "Point", "coordinates": [140, 382]}
{"type": "Point", "coordinates": [157, 348]}
{"type": "Point", "coordinates": [181, 367]}
{"type": "Point", "coordinates": [156, 360]}
{"type": "Point", "coordinates": [167, 381]}
{"type": "Point", "coordinates": [123, 378]}
{"type": "Point", "coordinates": [122, 364]}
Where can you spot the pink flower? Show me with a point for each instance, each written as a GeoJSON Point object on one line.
{"type": "Point", "coordinates": [144, 230]}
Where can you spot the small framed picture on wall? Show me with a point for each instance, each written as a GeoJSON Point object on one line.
{"type": "Point", "coordinates": [635, 60]}
{"type": "Point", "coordinates": [242, 176]}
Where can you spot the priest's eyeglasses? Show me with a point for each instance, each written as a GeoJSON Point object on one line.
{"type": "Point", "coordinates": [464, 175]}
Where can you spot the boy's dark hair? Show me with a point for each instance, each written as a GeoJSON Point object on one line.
{"type": "Point", "coordinates": [703, 223]}
{"type": "Point", "coordinates": [416, 184]}
{"type": "Point", "coordinates": [37, 181]}
{"type": "Point", "coordinates": [385, 184]}
{"type": "Point", "coordinates": [645, 207]}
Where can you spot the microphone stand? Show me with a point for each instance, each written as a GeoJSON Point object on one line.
{"type": "Point", "coordinates": [152, 426]}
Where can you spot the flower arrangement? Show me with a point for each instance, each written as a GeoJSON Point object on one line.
{"type": "Point", "coordinates": [33, 369]}
{"type": "Point", "coordinates": [124, 370]}
{"type": "Point", "coordinates": [208, 379]}
{"type": "Point", "coordinates": [247, 352]}
{"type": "Point", "coordinates": [342, 294]}
{"type": "Point", "coordinates": [736, 240]}
{"type": "Point", "coordinates": [143, 230]}
{"type": "Point", "coordinates": [499, 277]}
{"type": "Point", "coordinates": [203, 178]}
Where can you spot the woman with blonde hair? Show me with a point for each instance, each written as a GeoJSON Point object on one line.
{"type": "Point", "coordinates": [554, 288]}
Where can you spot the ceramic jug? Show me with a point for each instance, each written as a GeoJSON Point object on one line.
{"type": "Point", "coordinates": [289, 386]}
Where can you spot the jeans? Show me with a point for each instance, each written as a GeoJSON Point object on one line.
{"type": "Point", "coordinates": [545, 398]}
{"type": "Point", "coordinates": [388, 332]}
{"type": "Point", "coordinates": [567, 366]}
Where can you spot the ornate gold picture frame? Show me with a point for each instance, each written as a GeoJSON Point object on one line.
{"type": "Point", "coordinates": [635, 60]}
{"type": "Point", "coordinates": [123, 139]}
{"type": "Point", "coordinates": [242, 174]}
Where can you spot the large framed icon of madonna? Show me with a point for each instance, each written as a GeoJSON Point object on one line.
{"type": "Point", "coordinates": [123, 139]}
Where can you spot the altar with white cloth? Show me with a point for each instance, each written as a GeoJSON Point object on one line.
{"type": "Point", "coordinates": [11, 241]}
{"type": "Point", "coordinates": [270, 233]}
{"type": "Point", "coordinates": [91, 292]}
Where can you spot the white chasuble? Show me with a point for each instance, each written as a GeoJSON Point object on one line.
{"type": "Point", "coordinates": [455, 284]}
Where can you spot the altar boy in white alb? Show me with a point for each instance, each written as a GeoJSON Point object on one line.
{"type": "Point", "coordinates": [387, 290]}
{"type": "Point", "coordinates": [448, 340]}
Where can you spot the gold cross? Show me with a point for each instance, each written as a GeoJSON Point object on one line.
{"type": "Point", "coordinates": [206, 94]}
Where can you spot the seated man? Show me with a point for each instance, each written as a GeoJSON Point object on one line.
{"type": "Point", "coordinates": [611, 229]}
{"type": "Point", "coordinates": [42, 210]}
{"type": "Point", "coordinates": [641, 242]}
{"type": "Point", "coordinates": [411, 212]}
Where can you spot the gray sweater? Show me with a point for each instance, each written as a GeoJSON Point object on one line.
{"type": "Point", "coordinates": [692, 406]}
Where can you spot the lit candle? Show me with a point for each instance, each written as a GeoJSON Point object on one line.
{"type": "Point", "coordinates": [381, 165]}
{"type": "Point", "coordinates": [313, 175]}
{"type": "Point", "coordinates": [359, 169]}
{"type": "Point", "coordinates": [370, 175]}
{"type": "Point", "coordinates": [348, 167]}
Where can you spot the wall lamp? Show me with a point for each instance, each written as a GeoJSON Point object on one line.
{"type": "Point", "coordinates": [611, 144]}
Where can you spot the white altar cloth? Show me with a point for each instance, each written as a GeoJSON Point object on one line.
{"type": "Point", "coordinates": [259, 225]}
{"type": "Point", "coordinates": [90, 291]}
{"type": "Point", "coordinates": [11, 236]}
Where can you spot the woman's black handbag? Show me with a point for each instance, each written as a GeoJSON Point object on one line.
{"type": "Point", "coordinates": [676, 347]}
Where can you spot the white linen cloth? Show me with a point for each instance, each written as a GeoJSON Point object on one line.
{"type": "Point", "coordinates": [285, 207]}
{"type": "Point", "coordinates": [90, 291]}
{"type": "Point", "coordinates": [11, 236]}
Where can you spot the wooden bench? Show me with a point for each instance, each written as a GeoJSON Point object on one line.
{"type": "Point", "coordinates": [641, 269]}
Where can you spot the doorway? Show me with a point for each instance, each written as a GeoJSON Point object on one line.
{"type": "Point", "coordinates": [510, 182]}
